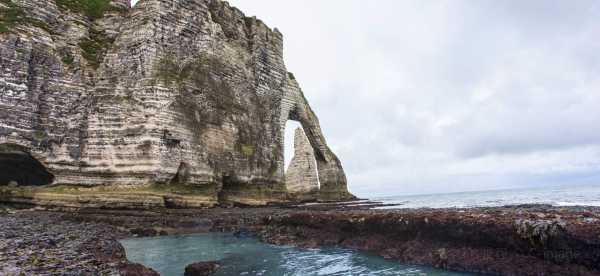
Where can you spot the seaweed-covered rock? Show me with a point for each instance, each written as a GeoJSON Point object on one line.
{"type": "Point", "coordinates": [496, 241]}
{"type": "Point", "coordinates": [136, 270]}
{"type": "Point", "coordinates": [201, 269]}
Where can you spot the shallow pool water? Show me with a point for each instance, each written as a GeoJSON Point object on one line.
{"type": "Point", "coordinates": [247, 256]}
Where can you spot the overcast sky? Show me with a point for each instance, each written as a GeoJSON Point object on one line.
{"type": "Point", "coordinates": [443, 96]}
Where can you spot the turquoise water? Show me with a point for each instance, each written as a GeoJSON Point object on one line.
{"type": "Point", "coordinates": [574, 195]}
{"type": "Point", "coordinates": [247, 256]}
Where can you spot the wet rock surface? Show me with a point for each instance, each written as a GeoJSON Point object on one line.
{"type": "Point", "coordinates": [129, 269]}
{"type": "Point", "coordinates": [44, 243]}
{"type": "Point", "coordinates": [516, 240]}
{"type": "Point", "coordinates": [531, 240]}
{"type": "Point", "coordinates": [201, 269]}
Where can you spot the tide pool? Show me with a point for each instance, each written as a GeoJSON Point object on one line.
{"type": "Point", "coordinates": [248, 256]}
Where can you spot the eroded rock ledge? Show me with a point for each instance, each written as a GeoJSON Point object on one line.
{"type": "Point", "coordinates": [520, 240]}
{"type": "Point", "coordinates": [498, 241]}
{"type": "Point", "coordinates": [169, 93]}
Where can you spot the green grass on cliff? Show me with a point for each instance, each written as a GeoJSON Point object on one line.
{"type": "Point", "coordinates": [291, 76]}
{"type": "Point", "coordinates": [67, 58]}
{"type": "Point", "coordinates": [95, 46]}
{"type": "Point", "coordinates": [93, 9]}
{"type": "Point", "coordinates": [10, 15]}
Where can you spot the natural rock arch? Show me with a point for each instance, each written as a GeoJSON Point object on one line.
{"type": "Point", "coordinates": [18, 167]}
{"type": "Point", "coordinates": [332, 179]}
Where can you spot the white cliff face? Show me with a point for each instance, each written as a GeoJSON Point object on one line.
{"type": "Point", "coordinates": [301, 176]}
{"type": "Point", "coordinates": [170, 92]}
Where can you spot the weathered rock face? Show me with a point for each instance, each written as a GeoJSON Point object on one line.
{"type": "Point", "coordinates": [176, 93]}
{"type": "Point", "coordinates": [301, 176]}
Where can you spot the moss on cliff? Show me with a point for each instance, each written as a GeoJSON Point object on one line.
{"type": "Point", "coordinates": [255, 192]}
{"type": "Point", "coordinates": [220, 16]}
{"type": "Point", "coordinates": [206, 97]}
{"type": "Point", "coordinates": [151, 197]}
{"type": "Point", "coordinates": [201, 78]}
{"type": "Point", "coordinates": [291, 76]}
{"type": "Point", "coordinates": [67, 58]}
{"type": "Point", "coordinates": [93, 9]}
{"type": "Point", "coordinates": [248, 150]}
{"type": "Point", "coordinates": [207, 189]}
{"type": "Point", "coordinates": [40, 24]}
{"type": "Point", "coordinates": [12, 15]}
{"type": "Point", "coordinates": [204, 72]}
{"type": "Point", "coordinates": [95, 46]}
{"type": "Point", "coordinates": [11, 147]}
{"type": "Point", "coordinates": [167, 70]}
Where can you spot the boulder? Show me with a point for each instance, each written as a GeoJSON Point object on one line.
{"type": "Point", "coordinates": [130, 269]}
{"type": "Point", "coordinates": [201, 268]}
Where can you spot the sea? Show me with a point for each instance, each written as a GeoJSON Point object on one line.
{"type": "Point", "coordinates": [564, 195]}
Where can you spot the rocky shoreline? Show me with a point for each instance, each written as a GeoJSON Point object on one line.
{"type": "Point", "coordinates": [36, 242]}
{"type": "Point", "coordinates": [516, 240]}
{"type": "Point", "coordinates": [526, 240]}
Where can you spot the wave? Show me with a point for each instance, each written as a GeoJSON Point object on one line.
{"type": "Point", "coordinates": [590, 203]}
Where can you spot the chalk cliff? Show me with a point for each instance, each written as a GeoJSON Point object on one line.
{"type": "Point", "coordinates": [183, 97]}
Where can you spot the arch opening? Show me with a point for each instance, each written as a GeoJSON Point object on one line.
{"type": "Point", "coordinates": [288, 149]}
{"type": "Point", "coordinates": [301, 175]}
{"type": "Point", "coordinates": [18, 167]}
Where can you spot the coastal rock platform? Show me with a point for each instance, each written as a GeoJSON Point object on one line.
{"type": "Point", "coordinates": [518, 240]}
{"type": "Point", "coordinates": [512, 240]}
{"type": "Point", "coordinates": [43, 243]}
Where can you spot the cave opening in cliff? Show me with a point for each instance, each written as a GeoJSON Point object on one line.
{"type": "Point", "coordinates": [18, 167]}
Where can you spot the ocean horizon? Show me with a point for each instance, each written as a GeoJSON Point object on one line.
{"type": "Point", "coordinates": [563, 195]}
